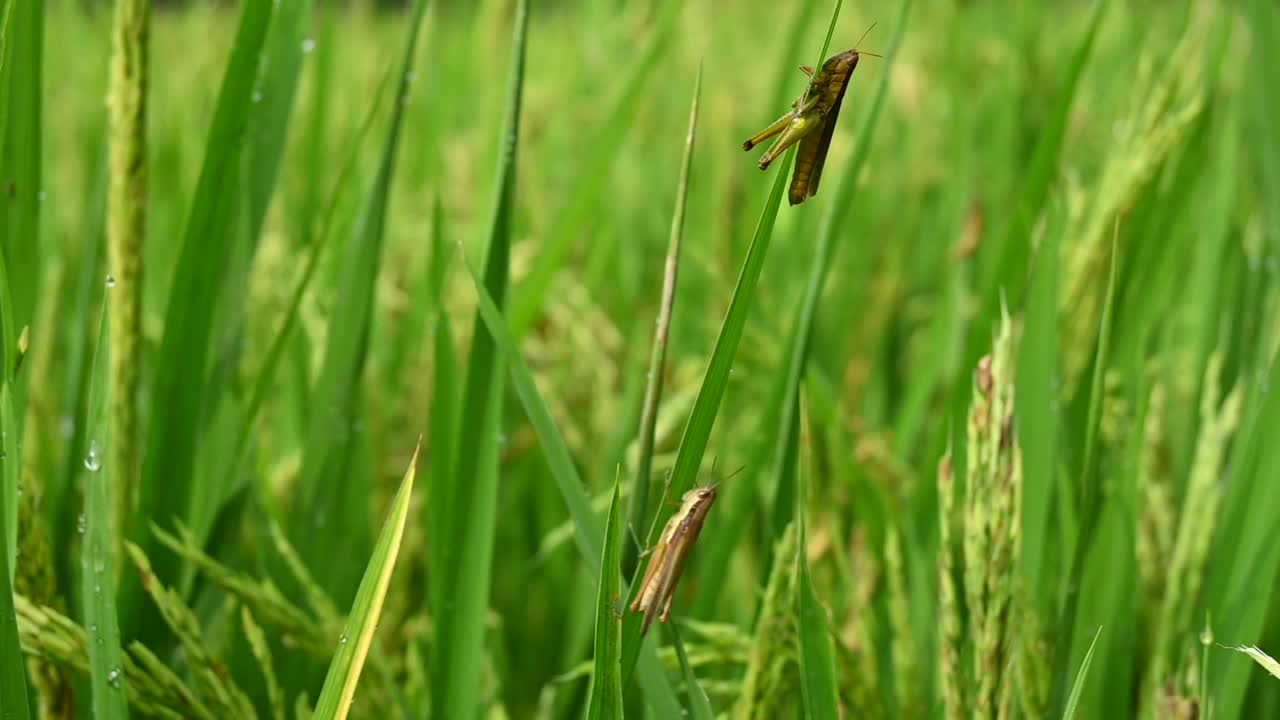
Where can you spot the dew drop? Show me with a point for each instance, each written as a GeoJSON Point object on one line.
{"type": "Point", "coordinates": [113, 677]}
{"type": "Point", "coordinates": [342, 640]}
{"type": "Point", "coordinates": [81, 523]}
{"type": "Point", "coordinates": [308, 45]}
{"type": "Point", "coordinates": [111, 281]}
{"type": "Point", "coordinates": [257, 96]}
{"type": "Point", "coordinates": [93, 458]}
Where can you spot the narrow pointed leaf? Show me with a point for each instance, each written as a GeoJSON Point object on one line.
{"type": "Point", "coordinates": [362, 622]}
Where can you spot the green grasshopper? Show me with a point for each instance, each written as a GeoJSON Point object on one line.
{"type": "Point", "coordinates": [810, 122]}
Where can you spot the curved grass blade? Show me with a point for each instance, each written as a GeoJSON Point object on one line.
{"type": "Point", "coordinates": [468, 513]}
{"type": "Point", "coordinates": [1078, 687]}
{"type": "Point", "coordinates": [326, 486]}
{"type": "Point", "coordinates": [698, 700]}
{"type": "Point", "coordinates": [606, 683]}
{"type": "Point", "coordinates": [586, 526]}
{"type": "Point", "coordinates": [817, 655]}
{"type": "Point", "coordinates": [658, 358]}
{"type": "Point", "coordinates": [353, 645]}
{"type": "Point", "coordinates": [176, 418]}
{"type": "Point", "coordinates": [97, 578]}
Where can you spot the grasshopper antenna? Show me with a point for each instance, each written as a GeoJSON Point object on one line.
{"type": "Point", "coordinates": [865, 34]}
{"type": "Point", "coordinates": [730, 475]}
{"type": "Point", "coordinates": [864, 37]}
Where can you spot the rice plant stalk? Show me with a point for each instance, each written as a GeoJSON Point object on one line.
{"type": "Point", "coordinates": [126, 230]}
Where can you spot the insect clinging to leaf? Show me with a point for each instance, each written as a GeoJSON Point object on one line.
{"type": "Point", "coordinates": [670, 554]}
{"type": "Point", "coordinates": [811, 122]}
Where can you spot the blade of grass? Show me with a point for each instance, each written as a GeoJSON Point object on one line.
{"type": "Point", "coordinates": [80, 296]}
{"type": "Point", "coordinates": [693, 443]}
{"type": "Point", "coordinates": [658, 359]}
{"type": "Point", "coordinates": [1036, 415]}
{"type": "Point", "coordinates": [21, 85]}
{"type": "Point", "coordinates": [817, 656]}
{"type": "Point", "coordinates": [599, 159]}
{"type": "Point", "coordinates": [327, 488]}
{"type": "Point", "coordinates": [586, 526]}
{"type": "Point", "coordinates": [98, 554]}
{"type": "Point", "coordinates": [20, 161]}
{"type": "Point", "coordinates": [283, 55]}
{"type": "Point", "coordinates": [469, 513]}
{"type": "Point", "coordinates": [353, 646]}
{"type": "Point", "coordinates": [176, 419]}
{"type": "Point", "coordinates": [698, 701]}
{"type": "Point", "coordinates": [446, 377]}
{"type": "Point", "coordinates": [1078, 686]}
{"type": "Point", "coordinates": [606, 680]}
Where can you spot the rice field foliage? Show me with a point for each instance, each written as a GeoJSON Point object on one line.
{"type": "Point", "coordinates": [989, 418]}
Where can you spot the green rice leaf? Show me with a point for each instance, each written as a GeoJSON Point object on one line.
{"type": "Point", "coordinates": [606, 682]}
{"type": "Point", "coordinates": [468, 511]}
{"type": "Point", "coordinates": [180, 366]}
{"type": "Point", "coordinates": [586, 526]}
{"type": "Point", "coordinates": [698, 701]}
{"type": "Point", "coordinates": [357, 638]}
{"type": "Point", "coordinates": [1076, 688]}
{"type": "Point", "coordinates": [98, 554]}
{"type": "Point", "coordinates": [693, 443]}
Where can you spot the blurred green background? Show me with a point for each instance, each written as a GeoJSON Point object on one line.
{"type": "Point", "coordinates": [1057, 163]}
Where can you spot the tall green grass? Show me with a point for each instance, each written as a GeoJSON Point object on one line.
{"type": "Point", "coordinates": [991, 416]}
